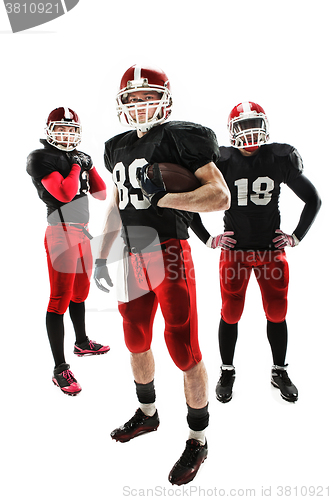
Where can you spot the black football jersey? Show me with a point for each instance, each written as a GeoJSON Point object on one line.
{"type": "Point", "coordinates": [254, 183]}
{"type": "Point", "coordinates": [41, 163]}
{"type": "Point", "coordinates": [183, 143]}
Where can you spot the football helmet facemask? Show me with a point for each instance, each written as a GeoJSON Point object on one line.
{"type": "Point", "coordinates": [248, 126]}
{"type": "Point", "coordinates": [136, 79]}
{"type": "Point", "coordinates": [64, 117]}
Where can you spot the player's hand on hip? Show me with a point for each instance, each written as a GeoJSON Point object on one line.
{"type": "Point", "coordinates": [222, 241]}
{"type": "Point", "coordinates": [284, 240]}
{"type": "Point", "coordinates": [153, 189]}
{"type": "Point", "coordinates": [101, 272]}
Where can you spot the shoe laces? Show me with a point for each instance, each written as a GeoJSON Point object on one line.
{"type": "Point", "coordinates": [68, 375]}
{"type": "Point", "coordinates": [137, 418]}
{"type": "Point", "coordinates": [283, 375]}
{"type": "Point", "coordinates": [226, 376]}
{"type": "Point", "coordinates": [192, 448]}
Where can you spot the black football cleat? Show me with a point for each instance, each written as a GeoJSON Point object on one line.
{"type": "Point", "coordinates": [225, 384]}
{"type": "Point", "coordinates": [281, 381]}
{"type": "Point", "coordinates": [186, 468]}
{"type": "Point", "coordinates": [137, 425]}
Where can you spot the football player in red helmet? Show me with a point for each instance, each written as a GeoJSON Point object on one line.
{"type": "Point", "coordinates": [248, 127]}
{"type": "Point", "coordinates": [63, 129]}
{"type": "Point", "coordinates": [253, 240]}
{"type": "Point", "coordinates": [63, 176]}
{"type": "Point", "coordinates": [155, 237]}
{"type": "Point", "coordinates": [144, 99]}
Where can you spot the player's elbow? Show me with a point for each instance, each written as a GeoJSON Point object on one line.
{"type": "Point", "coordinates": [99, 195]}
{"type": "Point", "coordinates": [222, 199]}
{"type": "Point", "coordinates": [314, 202]}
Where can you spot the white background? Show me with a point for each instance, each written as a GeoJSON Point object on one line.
{"type": "Point", "coordinates": [216, 54]}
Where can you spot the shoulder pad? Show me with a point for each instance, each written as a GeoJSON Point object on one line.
{"type": "Point", "coordinates": [225, 153]}
{"type": "Point", "coordinates": [189, 127]}
{"type": "Point", "coordinates": [290, 153]}
{"type": "Point", "coordinates": [279, 149]}
{"type": "Point", "coordinates": [296, 160]}
{"type": "Point", "coordinates": [41, 163]}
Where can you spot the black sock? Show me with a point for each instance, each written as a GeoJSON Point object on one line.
{"type": "Point", "coordinates": [277, 335]}
{"type": "Point", "coordinates": [77, 315]}
{"type": "Point", "coordinates": [145, 392]}
{"type": "Point", "coordinates": [56, 332]}
{"type": "Point", "coordinates": [227, 341]}
{"type": "Point", "coordinates": [197, 418]}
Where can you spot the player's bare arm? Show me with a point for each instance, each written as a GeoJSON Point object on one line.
{"type": "Point", "coordinates": [112, 226]}
{"type": "Point", "coordinates": [212, 195]}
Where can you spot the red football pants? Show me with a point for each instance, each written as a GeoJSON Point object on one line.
{"type": "Point", "coordinates": [176, 295]}
{"type": "Point", "coordinates": [272, 272]}
{"type": "Point", "coordinates": [69, 261]}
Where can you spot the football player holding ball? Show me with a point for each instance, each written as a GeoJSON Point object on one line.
{"type": "Point", "coordinates": [155, 232]}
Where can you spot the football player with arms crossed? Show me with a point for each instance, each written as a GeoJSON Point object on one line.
{"type": "Point", "coordinates": [144, 103]}
{"type": "Point", "coordinates": [253, 239]}
{"type": "Point", "coordinates": [63, 176]}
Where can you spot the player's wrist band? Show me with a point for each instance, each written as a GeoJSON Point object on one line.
{"type": "Point", "coordinates": [209, 242]}
{"type": "Point", "coordinates": [296, 240]}
{"type": "Point", "coordinates": [154, 200]}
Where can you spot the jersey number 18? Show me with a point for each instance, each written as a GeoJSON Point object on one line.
{"type": "Point", "coordinates": [262, 188]}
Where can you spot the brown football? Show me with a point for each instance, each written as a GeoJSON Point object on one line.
{"type": "Point", "coordinates": [177, 179]}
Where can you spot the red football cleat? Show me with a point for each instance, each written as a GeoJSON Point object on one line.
{"type": "Point", "coordinates": [89, 348]}
{"type": "Point", "coordinates": [65, 380]}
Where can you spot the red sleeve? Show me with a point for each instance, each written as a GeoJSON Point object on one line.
{"type": "Point", "coordinates": [97, 185]}
{"type": "Point", "coordinates": [62, 189]}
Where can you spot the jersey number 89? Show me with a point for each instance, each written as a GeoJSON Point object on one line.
{"type": "Point", "coordinates": [119, 178]}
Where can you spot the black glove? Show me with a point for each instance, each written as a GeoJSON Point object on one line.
{"type": "Point", "coordinates": [81, 159]}
{"type": "Point", "coordinates": [101, 272]}
{"type": "Point", "coordinates": [153, 189]}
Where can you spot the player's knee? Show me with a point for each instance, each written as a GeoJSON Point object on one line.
{"type": "Point", "coordinates": [137, 343]}
{"type": "Point", "coordinates": [276, 311]}
{"type": "Point", "coordinates": [231, 312]}
{"type": "Point", "coordinates": [185, 363]}
{"type": "Point", "coordinates": [81, 296]}
{"type": "Point", "coordinates": [184, 355]}
{"type": "Point", "coordinates": [58, 305]}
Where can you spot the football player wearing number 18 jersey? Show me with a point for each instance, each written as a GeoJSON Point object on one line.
{"type": "Point", "coordinates": [253, 240]}
{"type": "Point", "coordinates": [148, 211]}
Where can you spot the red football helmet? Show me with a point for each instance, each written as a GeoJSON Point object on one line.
{"type": "Point", "coordinates": [248, 126]}
{"type": "Point", "coordinates": [64, 140]}
{"type": "Point", "coordinates": [138, 78]}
